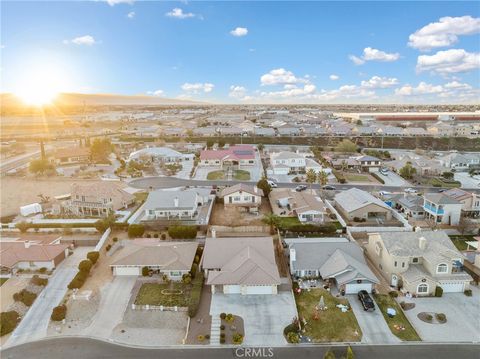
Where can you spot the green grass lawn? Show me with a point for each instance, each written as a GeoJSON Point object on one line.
{"type": "Point", "coordinates": [216, 175]}
{"type": "Point", "coordinates": [384, 301]}
{"type": "Point", "coordinates": [241, 175]}
{"type": "Point", "coordinates": [3, 280]}
{"type": "Point", "coordinates": [438, 182]}
{"type": "Point", "coordinates": [287, 222]}
{"type": "Point", "coordinates": [151, 293]}
{"type": "Point", "coordinates": [352, 177]}
{"type": "Point", "coordinates": [332, 325]}
{"type": "Point", "coordinates": [141, 196]}
{"type": "Point", "coordinates": [460, 241]}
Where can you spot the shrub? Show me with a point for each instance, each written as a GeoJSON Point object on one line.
{"type": "Point", "coordinates": [222, 340]}
{"type": "Point", "coordinates": [222, 327]}
{"type": "Point", "coordinates": [193, 271]}
{"type": "Point", "coordinates": [200, 338]}
{"type": "Point", "coordinates": [468, 292]}
{"type": "Point", "coordinates": [8, 322]}
{"type": "Point", "coordinates": [329, 355]}
{"type": "Point", "coordinates": [230, 317]}
{"type": "Point", "coordinates": [182, 232]}
{"type": "Point", "coordinates": [197, 259]}
{"type": "Point", "coordinates": [163, 236]}
{"type": "Point", "coordinates": [59, 313]}
{"type": "Point", "coordinates": [155, 235]}
{"type": "Point", "coordinates": [237, 338]}
{"type": "Point", "coordinates": [195, 294]}
{"type": "Point", "coordinates": [148, 235]}
{"type": "Point", "coordinates": [93, 256]}
{"type": "Point", "coordinates": [85, 265]}
{"type": "Point", "coordinates": [350, 354]}
{"type": "Point", "coordinates": [223, 315]}
{"type": "Point", "coordinates": [222, 335]}
{"type": "Point", "coordinates": [441, 317]}
{"type": "Point", "coordinates": [293, 337]}
{"type": "Point", "coordinates": [187, 278]}
{"type": "Point", "coordinates": [23, 226]}
{"type": "Point", "coordinates": [377, 177]}
{"type": "Point", "coordinates": [115, 239]}
{"type": "Point", "coordinates": [428, 317]}
{"type": "Point", "coordinates": [25, 297]}
{"type": "Point", "coordinates": [438, 291]}
{"type": "Point", "coordinates": [393, 294]}
{"type": "Point", "coordinates": [145, 271]}
{"type": "Point", "coordinates": [43, 270]}
{"type": "Point", "coordinates": [107, 248]}
{"type": "Point", "coordinates": [136, 230]}
{"type": "Point", "coordinates": [36, 280]}
{"type": "Point", "coordinates": [264, 186]}
{"type": "Point", "coordinates": [207, 336]}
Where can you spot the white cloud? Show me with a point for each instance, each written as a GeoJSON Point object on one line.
{"type": "Point", "coordinates": [443, 33]}
{"type": "Point", "coordinates": [116, 2]}
{"type": "Point", "coordinates": [345, 92]}
{"type": "Point", "coordinates": [291, 91]}
{"type": "Point", "coordinates": [449, 61]}
{"type": "Point", "coordinates": [178, 13]}
{"type": "Point", "coordinates": [198, 87]}
{"type": "Point", "coordinates": [239, 32]}
{"type": "Point", "coordinates": [131, 14]}
{"type": "Point", "coordinates": [156, 93]}
{"type": "Point", "coordinates": [377, 82]}
{"type": "Point", "coordinates": [238, 92]}
{"type": "Point", "coordinates": [333, 77]}
{"type": "Point", "coordinates": [370, 54]}
{"type": "Point", "coordinates": [281, 77]}
{"type": "Point", "coordinates": [87, 40]}
{"type": "Point", "coordinates": [422, 89]}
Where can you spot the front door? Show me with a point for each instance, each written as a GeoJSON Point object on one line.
{"type": "Point", "coordinates": [394, 282]}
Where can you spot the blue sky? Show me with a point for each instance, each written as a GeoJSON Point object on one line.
{"type": "Point", "coordinates": [241, 52]}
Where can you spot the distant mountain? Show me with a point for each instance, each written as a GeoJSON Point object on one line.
{"type": "Point", "coordinates": [78, 99]}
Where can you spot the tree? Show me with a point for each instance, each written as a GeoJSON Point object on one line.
{"type": "Point", "coordinates": [105, 223]}
{"type": "Point", "coordinates": [359, 123]}
{"type": "Point", "coordinates": [40, 166]}
{"type": "Point", "coordinates": [9, 321]}
{"type": "Point", "coordinates": [145, 271]}
{"type": "Point", "coordinates": [322, 178]}
{"type": "Point", "coordinates": [448, 175]}
{"type": "Point", "coordinates": [221, 143]}
{"type": "Point", "coordinates": [472, 171]}
{"type": "Point", "coordinates": [209, 144]}
{"type": "Point", "coordinates": [93, 256]}
{"type": "Point", "coordinates": [22, 226]}
{"type": "Point", "coordinates": [465, 225]}
{"type": "Point", "coordinates": [136, 230]}
{"type": "Point", "coordinates": [264, 186]}
{"type": "Point", "coordinates": [408, 171]}
{"type": "Point", "coordinates": [100, 150]}
{"type": "Point", "coordinates": [261, 147]}
{"type": "Point", "coordinates": [59, 313]}
{"type": "Point", "coordinates": [272, 220]}
{"type": "Point", "coordinates": [311, 177]}
{"type": "Point", "coordinates": [85, 265]}
{"type": "Point", "coordinates": [346, 146]}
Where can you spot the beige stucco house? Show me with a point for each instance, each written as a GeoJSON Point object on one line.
{"type": "Point", "coordinates": [418, 262]}
{"type": "Point", "coordinates": [355, 203]}
{"type": "Point", "coordinates": [242, 196]}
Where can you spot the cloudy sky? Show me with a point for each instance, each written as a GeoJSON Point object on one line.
{"type": "Point", "coordinates": [265, 52]}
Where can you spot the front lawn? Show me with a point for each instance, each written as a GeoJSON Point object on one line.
{"type": "Point", "coordinates": [166, 294]}
{"type": "Point", "coordinates": [460, 241]}
{"type": "Point", "coordinates": [352, 177]}
{"type": "Point", "coordinates": [287, 222]}
{"type": "Point", "coordinates": [399, 321]}
{"type": "Point", "coordinates": [241, 175]}
{"type": "Point", "coordinates": [332, 325]}
{"type": "Point", "coordinates": [440, 182]}
{"type": "Point", "coordinates": [216, 175]}
{"type": "Point", "coordinates": [3, 280]}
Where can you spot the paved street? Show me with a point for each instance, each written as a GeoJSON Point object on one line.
{"type": "Point", "coordinates": [85, 348]}
{"type": "Point", "coordinates": [264, 316]}
{"type": "Point", "coordinates": [374, 328]}
{"type": "Point", "coordinates": [35, 323]}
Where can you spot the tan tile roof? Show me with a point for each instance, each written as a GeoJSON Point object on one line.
{"type": "Point", "coordinates": [243, 188]}
{"type": "Point", "coordinates": [72, 152]}
{"type": "Point", "coordinates": [12, 253]}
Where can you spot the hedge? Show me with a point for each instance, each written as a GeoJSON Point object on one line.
{"type": "Point", "coordinates": [36, 280]}
{"type": "Point", "coordinates": [377, 177]}
{"type": "Point", "coordinates": [136, 230]}
{"type": "Point", "coordinates": [8, 322]}
{"type": "Point", "coordinates": [78, 281]}
{"type": "Point", "coordinates": [195, 294]}
{"type": "Point", "coordinates": [59, 313]}
{"type": "Point", "coordinates": [85, 265]}
{"type": "Point", "coordinates": [93, 256]}
{"type": "Point", "coordinates": [182, 232]}
{"type": "Point", "coordinates": [313, 228]}
{"type": "Point", "coordinates": [25, 297]}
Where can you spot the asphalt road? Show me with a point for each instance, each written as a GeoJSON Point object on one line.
{"type": "Point", "coordinates": [85, 348]}
{"type": "Point", "coordinates": [167, 182]}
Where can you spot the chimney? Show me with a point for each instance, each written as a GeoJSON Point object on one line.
{"type": "Point", "coordinates": [175, 201]}
{"type": "Point", "coordinates": [255, 189]}
{"type": "Point", "coordinates": [214, 233]}
{"type": "Point", "coordinates": [27, 244]}
{"type": "Point", "coordinates": [422, 243]}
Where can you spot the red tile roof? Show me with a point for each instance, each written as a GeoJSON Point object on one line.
{"type": "Point", "coordinates": [236, 152]}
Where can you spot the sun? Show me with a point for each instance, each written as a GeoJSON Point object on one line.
{"type": "Point", "coordinates": [40, 86]}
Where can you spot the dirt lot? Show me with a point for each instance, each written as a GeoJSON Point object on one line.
{"type": "Point", "coordinates": [233, 217]}
{"type": "Point", "coordinates": [17, 192]}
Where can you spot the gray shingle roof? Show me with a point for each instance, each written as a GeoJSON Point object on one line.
{"type": "Point", "coordinates": [440, 198]}
{"type": "Point", "coordinates": [353, 199]}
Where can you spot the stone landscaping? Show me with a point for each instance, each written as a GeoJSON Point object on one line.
{"type": "Point", "coordinates": [432, 318]}
{"type": "Point", "coordinates": [231, 329]}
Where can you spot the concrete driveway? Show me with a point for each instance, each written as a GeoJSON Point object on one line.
{"type": "Point", "coordinates": [35, 323]}
{"type": "Point", "coordinates": [466, 180]}
{"type": "Point", "coordinates": [264, 316]}
{"type": "Point", "coordinates": [374, 327]}
{"type": "Point", "coordinates": [392, 179]}
{"type": "Point", "coordinates": [114, 300]}
{"type": "Point", "coordinates": [463, 317]}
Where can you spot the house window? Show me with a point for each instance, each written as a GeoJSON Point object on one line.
{"type": "Point", "coordinates": [395, 264]}
{"type": "Point", "coordinates": [442, 268]}
{"type": "Point", "coordinates": [236, 199]}
{"type": "Point", "coordinates": [414, 260]}
{"type": "Point", "coordinates": [403, 264]}
{"type": "Point", "coordinates": [422, 288]}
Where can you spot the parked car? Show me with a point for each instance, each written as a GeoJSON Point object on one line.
{"type": "Point", "coordinates": [441, 190]}
{"type": "Point", "coordinates": [329, 188]}
{"type": "Point", "coordinates": [410, 190]}
{"type": "Point", "coordinates": [300, 188]}
{"type": "Point", "coordinates": [272, 184]}
{"type": "Point", "coordinates": [384, 193]}
{"type": "Point", "coordinates": [366, 300]}
{"type": "Point", "coordinates": [384, 171]}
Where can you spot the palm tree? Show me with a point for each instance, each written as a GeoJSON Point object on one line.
{"type": "Point", "coordinates": [311, 177]}
{"type": "Point", "coordinates": [322, 178]}
{"type": "Point", "coordinates": [272, 220]}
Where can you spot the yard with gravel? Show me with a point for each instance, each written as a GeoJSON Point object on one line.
{"type": "Point", "coordinates": [166, 294]}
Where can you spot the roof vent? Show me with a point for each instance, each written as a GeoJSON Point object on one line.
{"type": "Point", "coordinates": [422, 243]}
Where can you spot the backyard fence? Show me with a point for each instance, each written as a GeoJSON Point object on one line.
{"type": "Point", "coordinates": [241, 229]}
{"type": "Point", "coordinates": [160, 308]}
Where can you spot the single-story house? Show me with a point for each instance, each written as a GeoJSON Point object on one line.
{"type": "Point", "coordinates": [173, 259]}
{"type": "Point", "coordinates": [307, 206]}
{"type": "Point", "coordinates": [242, 196]}
{"type": "Point", "coordinates": [161, 154]}
{"type": "Point", "coordinates": [355, 203]}
{"type": "Point", "coordinates": [71, 155]}
{"type": "Point", "coordinates": [236, 155]}
{"type": "Point", "coordinates": [241, 265]}
{"type": "Point", "coordinates": [340, 262]}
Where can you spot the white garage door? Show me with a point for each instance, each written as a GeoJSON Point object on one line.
{"type": "Point", "coordinates": [259, 289]}
{"type": "Point", "coordinates": [127, 271]}
{"type": "Point", "coordinates": [231, 289]}
{"type": "Point", "coordinates": [281, 170]}
{"type": "Point", "coordinates": [354, 288]}
{"type": "Point", "coordinates": [452, 286]}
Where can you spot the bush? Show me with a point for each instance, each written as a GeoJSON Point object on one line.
{"type": "Point", "coordinates": [223, 315]}
{"type": "Point", "coordinates": [148, 235]}
{"type": "Point", "coordinates": [441, 317]}
{"type": "Point", "coordinates": [107, 248]}
{"type": "Point", "coordinates": [59, 313]}
{"type": "Point", "coordinates": [200, 338]}
{"type": "Point", "coordinates": [155, 235]}
{"type": "Point", "coordinates": [163, 236]}
{"type": "Point", "coordinates": [85, 265]}
{"type": "Point", "coordinates": [193, 271]}
{"type": "Point", "coordinates": [195, 294]}
{"type": "Point", "coordinates": [350, 354]}
{"type": "Point", "coordinates": [468, 292]}
{"type": "Point", "coordinates": [182, 232]}
{"type": "Point", "coordinates": [329, 355]}
{"type": "Point", "coordinates": [222, 340]}
{"type": "Point", "coordinates": [43, 270]}
{"type": "Point", "coordinates": [145, 271]}
{"type": "Point", "coordinates": [207, 336]}
{"type": "Point", "coordinates": [393, 294]}
{"type": "Point", "coordinates": [313, 228]}
{"type": "Point", "coordinates": [78, 281]}
{"type": "Point", "coordinates": [8, 322]}
{"type": "Point", "coordinates": [25, 297]}
{"type": "Point", "coordinates": [136, 230]}
{"type": "Point", "coordinates": [428, 317]}
{"type": "Point", "coordinates": [293, 338]}
{"type": "Point", "coordinates": [230, 318]}
{"type": "Point", "coordinates": [115, 239]}
{"type": "Point", "coordinates": [23, 226]}
{"type": "Point", "coordinates": [237, 338]}
{"type": "Point", "coordinates": [222, 335]}
{"type": "Point", "coordinates": [93, 256]}
{"type": "Point", "coordinates": [377, 177]}
{"type": "Point", "coordinates": [197, 259]}
{"type": "Point", "coordinates": [264, 186]}
{"type": "Point", "coordinates": [222, 327]}
{"type": "Point", "coordinates": [438, 291]}
{"type": "Point", "coordinates": [187, 278]}
{"type": "Point", "coordinates": [36, 280]}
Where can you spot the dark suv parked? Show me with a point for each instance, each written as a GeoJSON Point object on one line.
{"type": "Point", "coordinates": [366, 300]}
